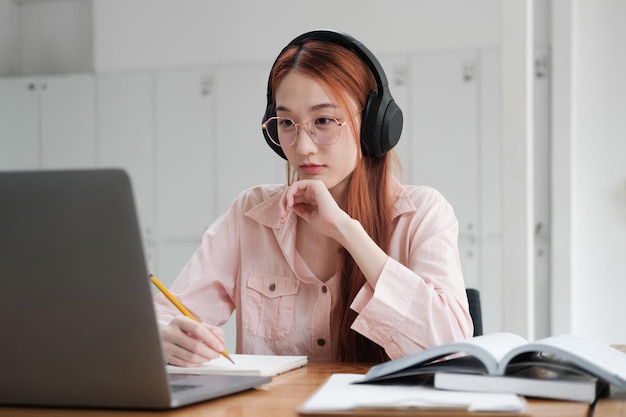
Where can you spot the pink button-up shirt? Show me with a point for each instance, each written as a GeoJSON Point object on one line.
{"type": "Point", "coordinates": [248, 261]}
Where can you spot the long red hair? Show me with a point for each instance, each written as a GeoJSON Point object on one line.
{"type": "Point", "coordinates": [347, 78]}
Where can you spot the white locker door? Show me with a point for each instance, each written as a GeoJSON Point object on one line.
{"type": "Point", "coordinates": [542, 157]}
{"type": "Point", "coordinates": [68, 127]}
{"type": "Point", "coordinates": [185, 152]}
{"type": "Point", "coordinates": [397, 72]}
{"type": "Point", "coordinates": [185, 164]}
{"type": "Point", "coordinates": [445, 145]}
{"type": "Point", "coordinates": [19, 124]}
{"type": "Point", "coordinates": [244, 158]}
{"type": "Point", "coordinates": [125, 140]}
{"type": "Point", "coordinates": [491, 190]}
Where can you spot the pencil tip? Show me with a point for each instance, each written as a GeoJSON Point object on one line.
{"type": "Point", "coordinates": [227, 356]}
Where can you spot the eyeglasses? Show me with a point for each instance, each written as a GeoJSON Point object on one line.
{"type": "Point", "coordinates": [283, 131]}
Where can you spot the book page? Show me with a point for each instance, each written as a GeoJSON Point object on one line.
{"type": "Point", "coordinates": [594, 357]}
{"type": "Point", "coordinates": [488, 349]}
{"type": "Point", "coordinates": [264, 365]}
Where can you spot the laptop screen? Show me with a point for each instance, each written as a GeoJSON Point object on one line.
{"type": "Point", "coordinates": [75, 298]}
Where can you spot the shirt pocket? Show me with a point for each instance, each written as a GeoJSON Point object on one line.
{"type": "Point", "coordinates": [270, 305]}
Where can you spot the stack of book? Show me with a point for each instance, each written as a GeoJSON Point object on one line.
{"type": "Point", "coordinates": [486, 374]}
{"type": "Point", "coordinates": [489, 373]}
{"type": "Point", "coordinates": [564, 367]}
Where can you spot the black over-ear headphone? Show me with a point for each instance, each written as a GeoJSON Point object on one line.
{"type": "Point", "coordinates": [381, 122]}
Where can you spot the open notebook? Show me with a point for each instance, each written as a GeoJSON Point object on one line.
{"type": "Point", "coordinates": [265, 365]}
{"type": "Point", "coordinates": [76, 300]}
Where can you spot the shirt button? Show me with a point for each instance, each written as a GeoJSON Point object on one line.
{"type": "Point", "coordinates": [272, 287]}
{"type": "Point", "coordinates": [324, 289]}
{"type": "Point", "coordinates": [321, 342]}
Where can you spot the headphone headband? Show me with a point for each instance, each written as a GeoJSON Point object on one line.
{"type": "Point", "coordinates": [341, 39]}
{"type": "Point", "coordinates": [381, 123]}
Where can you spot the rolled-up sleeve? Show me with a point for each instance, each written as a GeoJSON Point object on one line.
{"type": "Point", "coordinates": [419, 300]}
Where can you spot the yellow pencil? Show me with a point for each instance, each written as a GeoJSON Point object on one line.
{"type": "Point", "coordinates": [181, 307]}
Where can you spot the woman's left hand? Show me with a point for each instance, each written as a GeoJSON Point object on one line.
{"type": "Point", "coordinates": [311, 200]}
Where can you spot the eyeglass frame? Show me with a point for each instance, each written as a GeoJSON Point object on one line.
{"type": "Point", "coordinates": [308, 131]}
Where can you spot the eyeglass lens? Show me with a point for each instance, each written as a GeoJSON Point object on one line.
{"type": "Point", "coordinates": [283, 132]}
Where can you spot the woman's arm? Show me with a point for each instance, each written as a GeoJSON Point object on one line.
{"type": "Point", "coordinates": [415, 298]}
{"type": "Point", "coordinates": [419, 300]}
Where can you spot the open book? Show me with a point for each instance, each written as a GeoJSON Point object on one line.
{"type": "Point", "coordinates": [507, 354]}
{"type": "Point", "coordinates": [264, 365]}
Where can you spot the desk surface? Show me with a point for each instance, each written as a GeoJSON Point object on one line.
{"type": "Point", "coordinates": [615, 405]}
{"type": "Point", "coordinates": [282, 396]}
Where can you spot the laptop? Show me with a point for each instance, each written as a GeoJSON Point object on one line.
{"type": "Point", "coordinates": [76, 312]}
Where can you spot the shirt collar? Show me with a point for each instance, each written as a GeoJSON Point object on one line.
{"type": "Point", "coordinates": [403, 203]}
{"type": "Point", "coordinates": [267, 212]}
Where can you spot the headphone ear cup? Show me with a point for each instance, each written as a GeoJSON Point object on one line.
{"type": "Point", "coordinates": [270, 111]}
{"type": "Point", "coordinates": [392, 126]}
{"type": "Point", "coordinates": [381, 125]}
{"type": "Point", "coordinates": [370, 134]}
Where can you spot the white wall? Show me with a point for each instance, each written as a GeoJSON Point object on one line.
{"type": "Point", "coordinates": [192, 32]}
{"type": "Point", "coordinates": [589, 169]}
{"type": "Point", "coordinates": [56, 36]}
{"type": "Point", "coordinates": [598, 181]}
{"type": "Point", "coordinates": [45, 37]}
{"type": "Point", "coordinates": [9, 48]}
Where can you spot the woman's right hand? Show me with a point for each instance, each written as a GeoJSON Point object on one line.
{"type": "Point", "coordinates": [189, 343]}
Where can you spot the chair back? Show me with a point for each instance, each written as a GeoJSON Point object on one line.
{"type": "Point", "coordinates": [473, 298]}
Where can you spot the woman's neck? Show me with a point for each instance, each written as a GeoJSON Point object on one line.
{"type": "Point", "coordinates": [340, 192]}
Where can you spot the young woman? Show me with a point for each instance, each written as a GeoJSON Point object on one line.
{"type": "Point", "coordinates": [341, 264]}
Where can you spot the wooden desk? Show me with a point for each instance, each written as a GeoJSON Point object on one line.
{"type": "Point", "coordinates": [615, 405]}
{"type": "Point", "coordinates": [276, 399]}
